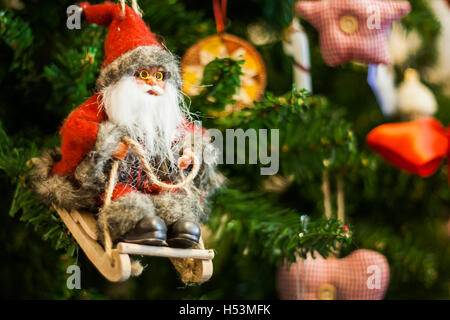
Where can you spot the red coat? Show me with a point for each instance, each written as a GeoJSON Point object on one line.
{"type": "Point", "coordinates": [79, 133]}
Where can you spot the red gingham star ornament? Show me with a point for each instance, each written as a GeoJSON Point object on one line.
{"type": "Point", "coordinates": [353, 29]}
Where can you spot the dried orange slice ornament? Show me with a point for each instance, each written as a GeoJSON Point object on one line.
{"type": "Point", "coordinates": [253, 80]}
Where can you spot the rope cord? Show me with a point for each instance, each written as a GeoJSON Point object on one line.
{"type": "Point", "coordinates": [108, 196]}
{"type": "Point", "coordinates": [122, 3]}
{"type": "Point", "coordinates": [166, 186]}
{"type": "Point", "coordinates": [326, 194]}
{"type": "Point", "coordinates": [340, 200]}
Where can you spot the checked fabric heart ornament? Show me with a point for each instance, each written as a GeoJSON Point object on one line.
{"type": "Point", "coordinates": [417, 146]}
{"type": "Point", "coordinates": [353, 29]}
{"type": "Point", "coordinates": [362, 275]}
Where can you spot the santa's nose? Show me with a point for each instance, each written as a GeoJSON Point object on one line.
{"type": "Point", "coordinates": [151, 81]}
{"type": "Point", "coordinates": [155, 83]}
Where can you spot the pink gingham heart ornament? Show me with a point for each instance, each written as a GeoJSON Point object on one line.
{"type": "Point", "coordinates": [362, 275]}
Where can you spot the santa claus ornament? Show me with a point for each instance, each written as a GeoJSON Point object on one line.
{"type": "Point", "coordinates": [353, 30]}
{"type": "Point", "coordinates": [362, 275]}
{"type": "Point", "coordinates": [222, 45]}
{"type": "Point", "coordinates": [132, 175]}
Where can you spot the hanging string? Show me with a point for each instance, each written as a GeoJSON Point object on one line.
{"type": "Point", "coordinates": [220, 14]}
{"type": "Point", "coordinates": [326, 194]}
{"type": "Point", "coordinates": [109, 192]}
{"type": "Point", "coordinates": [136, 8]}
{"type": "Point", "coordinates": [134, 5]}
{"type": "Point", "coordinates": [340, 200]}
{"type": "Point", "coordinates": [297, 278]}
{"type": "Point", "coordinates": [122, 3]}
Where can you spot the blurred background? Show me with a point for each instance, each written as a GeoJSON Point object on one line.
{"type": "Point", "coordinates": [47, 70]}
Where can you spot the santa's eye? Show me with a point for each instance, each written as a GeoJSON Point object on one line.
{"type": "Point", "coordinates": [144, 74]}
{"type": "Point", "coordinates": [158, 75]}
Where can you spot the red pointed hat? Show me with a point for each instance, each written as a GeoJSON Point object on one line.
{"type": "Point", "coordinates": [129, 45]}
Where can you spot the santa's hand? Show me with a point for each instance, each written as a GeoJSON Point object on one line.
{"type": "Point", "coordinates": [121, 151]}
{"type": "Point", "coordinates": [186, 159]}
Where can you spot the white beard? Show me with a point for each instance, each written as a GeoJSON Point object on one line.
{"type": "Point", "coordinates": [157, 121]}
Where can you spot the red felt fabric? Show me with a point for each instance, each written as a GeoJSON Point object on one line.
{"type": "Point", "coordinates": [100, 14]}
{"type": "Point", "coordinates": [122, 151]}
{"type": "Point", "coordinates": [120, 190]}
{"type": "Point", "coordinates": [79, 133]}
{"type": "Point", "coordinates": [125, 32]}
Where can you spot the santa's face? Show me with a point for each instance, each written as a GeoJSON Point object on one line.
{"type": "Point", "coordinates": [154, 77]}
{"type": "Point", "coordinates": [151, 109]}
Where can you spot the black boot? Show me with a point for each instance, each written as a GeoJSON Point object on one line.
{"type": "Point", "coordinates": [150, 231]}
{"type": "Point", "coordinates": [183, 234]}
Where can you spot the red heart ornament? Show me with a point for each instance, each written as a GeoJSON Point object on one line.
{"type": "Point", "coordinates": [362, 275]}
{"type": "Point", "coordinates": [416, 146]}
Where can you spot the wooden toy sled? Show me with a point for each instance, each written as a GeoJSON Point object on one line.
{"type": "Point", "coordinates": [116, 267]}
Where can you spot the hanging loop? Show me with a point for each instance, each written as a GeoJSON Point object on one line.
{"type": "Point", "coordinates": [134, 5]}
{"type": "Point", "coordinates": [108, 197]}
{"type": "Point", "coordinates": [220, 14]}
{"type": "Point", "coordinates": [122, 4]}
{"type": "Point", "coordinates": [136, 8]}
